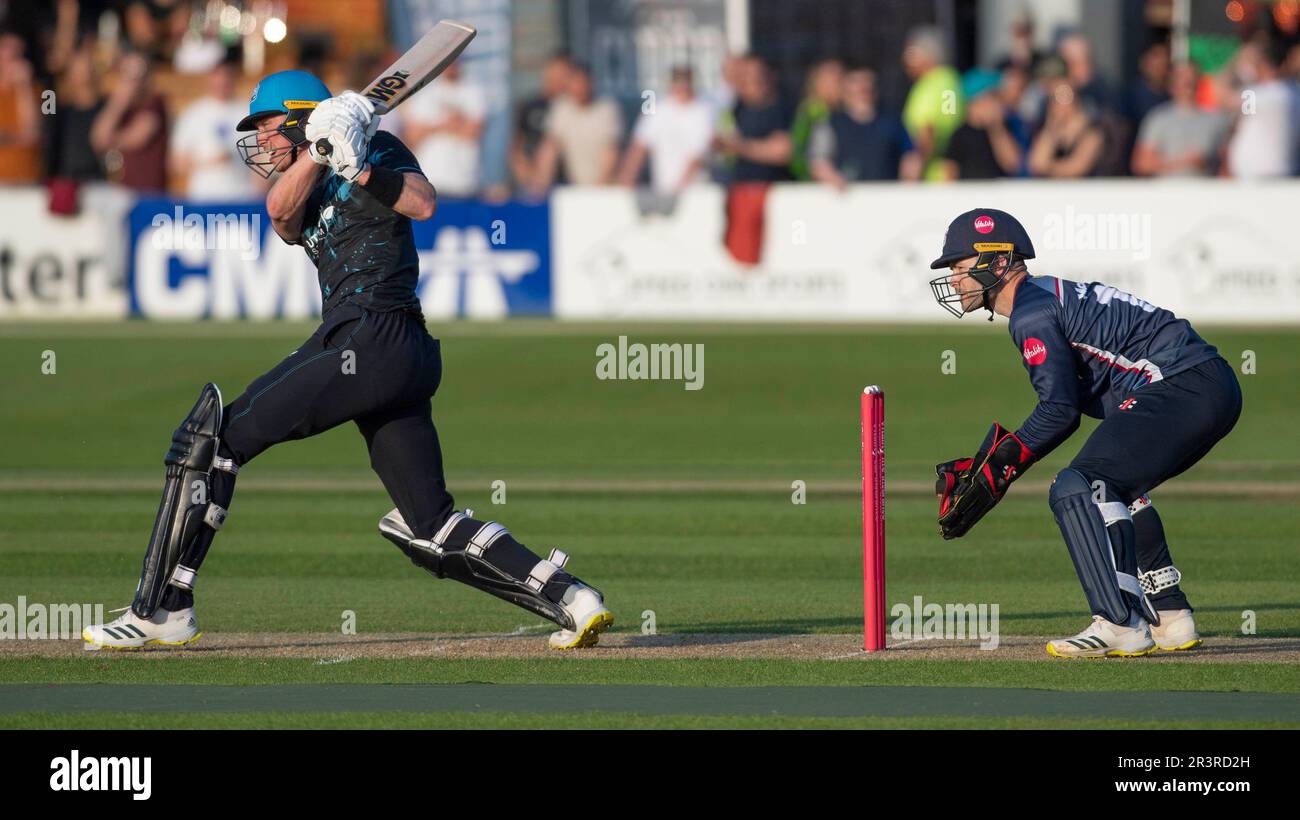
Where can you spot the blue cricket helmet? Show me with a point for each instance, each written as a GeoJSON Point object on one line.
{"type": "Point", "coordinates": [283, 93]}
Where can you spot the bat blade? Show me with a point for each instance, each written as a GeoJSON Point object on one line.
{"type": "Point", "coordinates": [415, 69]}
{"type": "Point", "coordinates": [422, 62]}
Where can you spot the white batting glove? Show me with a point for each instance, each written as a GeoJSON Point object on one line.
{"type": "Point", "coordinates": [337, 122]}
{"type": "Point", "coordinates": [361, 106]}
{"type": "Point", "coordinates": [318, 128]}
{"type": "Point", "coordinates": [348, 147]}
{"type": "Point", "coordinates": [319, 125]}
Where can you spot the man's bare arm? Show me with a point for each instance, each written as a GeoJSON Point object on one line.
{"type": "Point", "coordinates": [822, 170]}
{"type": "Point", "coordinates": [546, 167]}
{"type": "Point", "coordinates": [1005, 148]}
{"type": "Point", "coordinates": [633, 160]}
{"type": "Point", "coordinates": [774, 149]}
{"type": "Point", "coordinates": [287, 198]}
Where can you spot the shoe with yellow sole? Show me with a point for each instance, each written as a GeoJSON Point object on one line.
{"type": "Point", "coordinates": [130, 631]}
{"type": "Point", "coordinates": [1177, 631]}
{"type": "Point", "coordinates": [590, 618]}
{"type": "Point", "coordinates": [1103, 639]}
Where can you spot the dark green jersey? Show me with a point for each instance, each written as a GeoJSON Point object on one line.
{"type": "Point", "coordinates": [364, 252]}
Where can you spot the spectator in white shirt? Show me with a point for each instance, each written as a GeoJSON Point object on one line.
{"type": "Point", "coordinates": [203, 143]}
{"type": "Point", "coordinates": [1268, 128]}
{"type": "Point", "coordinates": [443, 124]}
{"type": "Point", "coordinates": [675, 133]}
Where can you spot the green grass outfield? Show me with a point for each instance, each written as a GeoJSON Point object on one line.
{"type": "Point", "coordinates": [672, 501]}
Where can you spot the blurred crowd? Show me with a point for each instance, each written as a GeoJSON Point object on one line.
{"type": "Point", "coordinates": [75, 108]}
{"type": "Point", "coordinates": [1033, 114]}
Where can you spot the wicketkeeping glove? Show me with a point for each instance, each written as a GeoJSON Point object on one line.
{"type": "Point", "coordinates": [951, 475]}
{"type": "Point", "coordinates": [969, 488]}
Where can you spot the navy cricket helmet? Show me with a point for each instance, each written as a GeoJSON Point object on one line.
{"type": "Point", "coordinates": [988, 235]}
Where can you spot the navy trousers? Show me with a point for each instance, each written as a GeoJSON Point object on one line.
{"type": "Point", "coordinates": [1152, 436]}
{"type": "Point", "coordinates": [1161, 430]}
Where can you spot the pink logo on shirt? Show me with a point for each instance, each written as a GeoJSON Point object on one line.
{"type": "Point", "coordinates": [1035, 351]}
{"type": "Point", "coordinates": [984, 224]}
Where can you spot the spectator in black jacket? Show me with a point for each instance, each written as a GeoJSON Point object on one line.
{"type": "Point", "coordinates": [68, 153]}
{"type": "Point", "coordinates": [984, 147]}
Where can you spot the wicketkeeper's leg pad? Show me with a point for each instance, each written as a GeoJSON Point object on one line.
{"type": "Point", "coordinates": [186, 507]}
{"type": "Point", "coordinates": [1160, 579]}
{"type": "Point", "coordinates": [484, 555]}
{"type": "Point", "coordinates": [1102, 545]}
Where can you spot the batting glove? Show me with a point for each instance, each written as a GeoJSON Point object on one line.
{"type": "Point", "coordinates": [339, 133]}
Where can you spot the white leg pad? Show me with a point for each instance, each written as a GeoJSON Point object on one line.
{"type": "Point", "coordinates": [215, 517]}
{"type": "Point", "coordinates": [540, 574]}
{"type": "Point", "coordinates": [183, 577]}
{"type": "Point", "coordinates": [481, 540]}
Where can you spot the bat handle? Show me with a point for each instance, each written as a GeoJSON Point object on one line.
{"type": "Point", "coordinates": [324, 148]}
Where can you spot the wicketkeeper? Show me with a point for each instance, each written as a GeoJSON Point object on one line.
{"type": "Point", "coordinates": [347, 193]}
{"type": "Point", "coordinates": [1165, 398]}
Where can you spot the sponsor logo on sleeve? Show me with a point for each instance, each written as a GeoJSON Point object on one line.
{"type": "Point", "coordinates": [1035, 351]}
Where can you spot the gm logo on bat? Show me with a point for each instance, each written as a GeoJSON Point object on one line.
{"type": "Point", "coordinates": [384, 89]}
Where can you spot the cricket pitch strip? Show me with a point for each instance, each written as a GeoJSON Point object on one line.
{"type": "Point", "coordinates": [335, 648]}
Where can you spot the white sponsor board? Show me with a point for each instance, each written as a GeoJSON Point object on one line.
{"type": "Point", "coordinates": [63, 266]}
{"type": "Point", "coordinates": [1216, 250]}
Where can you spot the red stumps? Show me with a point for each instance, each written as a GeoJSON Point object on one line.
{"type": "Point", "coordinates": [873, 518]}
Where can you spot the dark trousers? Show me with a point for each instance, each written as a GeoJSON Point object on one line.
{"type": "Point", "coordinates": [378, 370]}
{"type": "Point", "coordinates": [1167, 428]}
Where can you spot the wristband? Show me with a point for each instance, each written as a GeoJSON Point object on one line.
{"type": "Point", "coordinates": [385, 185]}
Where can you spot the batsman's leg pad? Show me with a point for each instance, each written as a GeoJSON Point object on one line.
{"type": "Point", "coordinates": [186, 507]}
{"type": "Point", "coordinates": [484, 555]}
{"type": "Point", "coordinates": [1101, 542]}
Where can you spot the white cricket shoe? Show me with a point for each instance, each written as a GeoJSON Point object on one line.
{"type": "Point", "coordinates": [1104, 639]}
{"type": "Point", "coordinates": [1177, 631]}
{"type": "Point", "coordinates": [130, 631]}
{"type": "Point", "coordinates": [589, 615]}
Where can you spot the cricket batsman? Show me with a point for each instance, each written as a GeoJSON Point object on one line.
{"type": "Point", "coordinates": [1164, 395]}
{"type": "Point", "coordinates": [347, 194]}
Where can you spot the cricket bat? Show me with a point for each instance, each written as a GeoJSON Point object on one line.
{"type": "Point", "coordinates": [415, 69]}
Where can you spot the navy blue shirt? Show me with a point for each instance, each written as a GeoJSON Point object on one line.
{"type": "Point", "coordinates": [364, 251]}
{"type": "Point", "coordinates": [1088, 346]}
{"type": "Point", "coordinates": [869, 150]}
{"type": "Point", "coordinates": [759, 123]}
